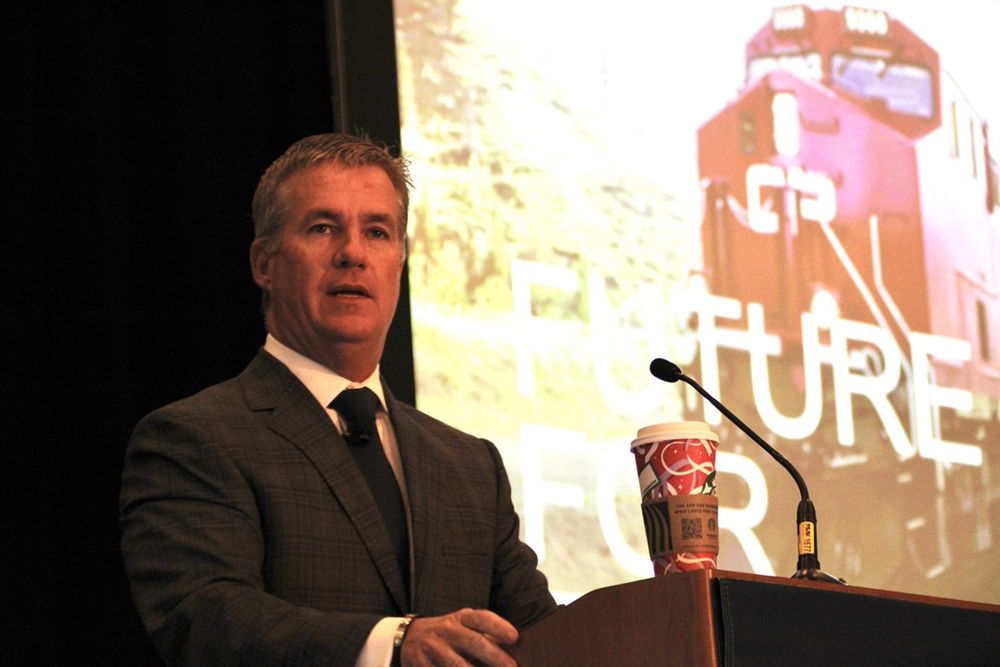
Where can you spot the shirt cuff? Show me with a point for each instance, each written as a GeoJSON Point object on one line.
{"type": "Point", "coordinates": [377, 651]}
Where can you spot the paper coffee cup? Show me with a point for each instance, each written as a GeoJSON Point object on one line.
{"type": "Point", "coordinates": [680, 511]}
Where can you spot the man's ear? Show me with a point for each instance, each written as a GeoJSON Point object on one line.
{"type": "Point", "coordinates": [260, 264]}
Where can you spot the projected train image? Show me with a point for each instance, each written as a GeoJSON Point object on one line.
{"type": "Point", "coordinates": [850, 286]}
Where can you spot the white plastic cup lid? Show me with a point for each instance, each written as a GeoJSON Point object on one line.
{"type": "Point", "coordinates": [674, 431]}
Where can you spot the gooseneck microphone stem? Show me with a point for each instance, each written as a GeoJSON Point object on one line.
{"type": "Point", "coordinates": [808, 562]}
{"type": "Point", "coordinates": [678, 375]}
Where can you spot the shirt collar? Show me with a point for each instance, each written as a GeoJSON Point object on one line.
{"type": "Point", "coordinates": [322, 382]}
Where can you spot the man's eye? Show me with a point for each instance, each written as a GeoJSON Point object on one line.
{"type": "Point", "coordinates": [378, 233]}
{"type": "Point", "coordinates": [321, 229]}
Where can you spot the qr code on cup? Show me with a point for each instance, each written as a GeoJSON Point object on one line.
{"type": "Point", "coordinates": [691, 529]}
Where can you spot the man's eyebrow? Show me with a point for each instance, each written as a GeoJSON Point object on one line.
{"type": "Point", "coordinates": [379, 217]}
{"type": "Point", "coordinates": [322, 214]}
{"type": "Point", "coordinates": [374, 217]}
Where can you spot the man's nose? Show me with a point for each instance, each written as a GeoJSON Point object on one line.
{"type": "Point", "coordinates": [350, 251]}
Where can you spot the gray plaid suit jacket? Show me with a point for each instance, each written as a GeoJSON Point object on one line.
{"type": "Point", "coordinates": [250, 535]}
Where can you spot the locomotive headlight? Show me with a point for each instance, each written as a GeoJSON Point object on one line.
{"type": "Point", "coordinates": [866, 21]}
{"type": "Point", "coordinates": [824, 308]}
{"type": "Point", "coordinates": [785, 109]}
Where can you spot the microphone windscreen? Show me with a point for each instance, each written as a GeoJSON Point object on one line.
{"type": "Point", "coordinates": [665, 370]}
{"type": "Point", "coordinates": [357, 438]}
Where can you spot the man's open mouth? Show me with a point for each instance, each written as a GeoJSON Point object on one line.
{"type": "Point", "coordinates": [349, 291]}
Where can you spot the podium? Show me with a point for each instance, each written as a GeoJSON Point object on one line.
{"type": "Point", "coordinates": [714, 617]}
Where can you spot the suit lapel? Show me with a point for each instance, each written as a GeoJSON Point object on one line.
{"type": "Point", "coordinates": [300, 419]}
{"type": "Point", "coordinates": [423, 472]}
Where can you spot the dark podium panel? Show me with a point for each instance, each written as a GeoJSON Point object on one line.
{"type": "Point", "coordinates": [713, 617]}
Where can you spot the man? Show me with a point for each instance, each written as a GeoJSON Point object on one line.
{"type": "Point", "coordinates": [251, 529]}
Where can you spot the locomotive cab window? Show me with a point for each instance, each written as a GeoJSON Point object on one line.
{"type": "Point", "coordinates": [904, 88]}
{"type": "Point", "coordinates": [808, 66]}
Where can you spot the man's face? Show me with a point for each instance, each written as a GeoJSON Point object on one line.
{"type": "Point", "coordinates": [334, 279]}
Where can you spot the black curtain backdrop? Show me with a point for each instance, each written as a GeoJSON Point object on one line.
{"type": "Point", "coordinates": [139, 134]}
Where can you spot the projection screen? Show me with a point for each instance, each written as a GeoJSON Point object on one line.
{"type": "Point", "coordinates": [795, 203]}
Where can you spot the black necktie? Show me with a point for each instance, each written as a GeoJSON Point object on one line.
{"type": "Point", "coordinates": [357, 407]}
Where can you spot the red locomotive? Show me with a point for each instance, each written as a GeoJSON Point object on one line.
{"type": "Point", "coordinates": [851, 277]}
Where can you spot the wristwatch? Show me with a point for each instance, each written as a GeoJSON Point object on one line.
{"type": "Point", "coordinates": [398, 637]}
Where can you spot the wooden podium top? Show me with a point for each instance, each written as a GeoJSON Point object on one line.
{"type": "Point", "coordinates": [714, 617]}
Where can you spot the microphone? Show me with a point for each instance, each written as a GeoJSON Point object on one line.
{"type": "Point", "coordinates": [805, 515]}
{"type": "Point", "coordinates": [357, 438]}
{"type": "Point", "coordinates": [665, 370]}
